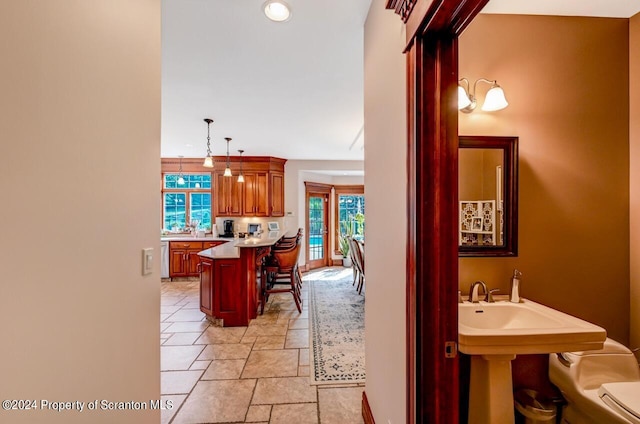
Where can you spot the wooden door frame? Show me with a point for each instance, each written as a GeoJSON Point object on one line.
{"type": "Point", "coordinates": [432, 28]}
{"type": "Point", "coordinates": [312, 189]}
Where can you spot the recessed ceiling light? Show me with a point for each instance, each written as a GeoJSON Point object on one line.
{"type": "Point", "coordinates": [277, 10]}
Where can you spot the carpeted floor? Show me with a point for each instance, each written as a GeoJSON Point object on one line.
{"type": "Point", "coordinates": [336, 327]}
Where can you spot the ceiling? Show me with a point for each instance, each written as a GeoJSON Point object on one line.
{"type": "Point", "coordinates": [292, 90]}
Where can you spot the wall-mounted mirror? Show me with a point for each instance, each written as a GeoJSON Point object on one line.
{"type": "Point", "coordinates": [488, 196]}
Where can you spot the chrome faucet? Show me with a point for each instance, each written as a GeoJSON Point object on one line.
{"type": "Point", "coordinates": [473, 291]}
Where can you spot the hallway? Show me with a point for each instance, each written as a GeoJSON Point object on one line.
{"type": "Point", "coordinates": [257, 374]}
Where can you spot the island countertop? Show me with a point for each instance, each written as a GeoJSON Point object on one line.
{"type": "Point", "coordinates": [231, 249]}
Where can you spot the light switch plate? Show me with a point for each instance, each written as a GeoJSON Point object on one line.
{"type": "Point", "coordinates": [147, 260]}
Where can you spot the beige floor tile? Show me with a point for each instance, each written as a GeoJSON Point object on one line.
{"type": "Point", "coordinates": [269, 317]}
{"type": "Point", "coordinates": [178, 382]}
{"type": "Point", "coordinates": [226, 351]}
{"type": "Point", "coordinates": [303, 359]}
{"type": "Point", "coordinates": [267, 330]}
{"type": "Point", "coordinates": [225, 369]}
{"type": "Point", "coordinates": [249, 339]}
{"type": "Point", "coordinates": [258, 413]}
{"type": "Point", "coordinates": [170, 300]}
{"type": "Point", "coordinates": [200, 365]}
{"type": "Point", "coordinates": [178, 357]}
{"type": "Point", "coordinates": [186, 315]}
{"type": "Point", "coordinates": [339, 406]}
{"type": "Point", "coordinates": [269, 342]}
{"type": "Point", "coordinates": [271, 391]}
{"type": "Point", "coordinates": [217, 401]}
{"type": "Point", "coordinates": [219, 335]}
{"type": "Point", "coordinates": [182, 339]}
{"type": "Point", "coordinates": [302, 413]}
{"type": "Point", "coordinates": [297, 339]}
{"type": "Point", "coordinates": [186, 327]}
{"type": "Point", "coordinates": [168, 309]}
{"type": "Point", "coordinates": [175, 401]}
{"type": "Point", "coordinates": [271, 363]}
{"type": "Point", "coordinates": [303, 371]}
{"type": "Point", "coordinates": [299, 323]}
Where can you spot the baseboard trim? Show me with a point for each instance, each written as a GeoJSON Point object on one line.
{"type": "Point", "coordinates": [367, 416]}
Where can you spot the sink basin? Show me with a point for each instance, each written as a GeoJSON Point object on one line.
{"type": "Point", "coordinates": [494, 333]}
{"type": "Point", "coordinates": [523, 328]}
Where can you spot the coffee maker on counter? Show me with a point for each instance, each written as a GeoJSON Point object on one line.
{"type": "Point", "coordinates": [227, 225]}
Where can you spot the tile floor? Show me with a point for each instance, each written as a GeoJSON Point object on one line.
{"type": "Point", "coordinates": [254, 374]}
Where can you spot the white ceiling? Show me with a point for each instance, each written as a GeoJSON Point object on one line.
{"type": "Point", "coordinates": [292, 90]}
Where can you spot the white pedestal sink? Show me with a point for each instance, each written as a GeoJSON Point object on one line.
{"type": "Point", "coordinates": [494, 333]}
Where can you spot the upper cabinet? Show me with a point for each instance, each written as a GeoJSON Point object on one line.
{"type": "Point", "coordinates": [256, 194]}
{"type": "Point", "coordinates": [276, 197]}
{"type": "Point", "coordinates": [261, 194]}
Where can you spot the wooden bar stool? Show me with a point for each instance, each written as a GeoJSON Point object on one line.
{"type": "Point", "coordinates": [282, 268]}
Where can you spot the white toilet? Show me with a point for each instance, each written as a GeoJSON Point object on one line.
{"type": "Point", "coordinates": [600, 386]}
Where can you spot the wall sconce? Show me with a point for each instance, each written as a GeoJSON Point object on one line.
{"type": "Point", "coordinates": [494, 100]}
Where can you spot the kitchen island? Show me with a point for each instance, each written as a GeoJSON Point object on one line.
{"type": "Point", "coordinates": [230, 278]}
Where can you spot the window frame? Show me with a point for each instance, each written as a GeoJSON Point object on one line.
{"type": "Point", "coordinates": [352, 189]}
{"type": "Point", "coordinates": [187, 191]}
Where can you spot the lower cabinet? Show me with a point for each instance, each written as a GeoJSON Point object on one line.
{"type": "Point", "coordinates": [184, 259]}
{"type": "Point", "coordinates": [221, 291]}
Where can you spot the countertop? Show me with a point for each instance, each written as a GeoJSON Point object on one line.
{"type": "Point", "coordinates": [188, 237]}
{"type": "Point", "coordinates": [232, 249]}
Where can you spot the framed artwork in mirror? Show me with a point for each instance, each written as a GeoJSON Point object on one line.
{"type": "Point", "coordinates": [488, 196]}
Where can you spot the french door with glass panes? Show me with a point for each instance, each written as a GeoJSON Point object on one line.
{"type": "Point", "coordinates": [317, 225]}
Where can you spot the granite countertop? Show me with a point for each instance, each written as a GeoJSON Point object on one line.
{"type": "Point", "coordinates": [231, 249]}
{"type": "Point", "coordinates": [189, 237]}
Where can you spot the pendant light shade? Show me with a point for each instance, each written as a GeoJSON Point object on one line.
{"type": "Point", "coordinates": [180, 176]}
{"type": "Point", "coordinates": [208, 161]}
{"type": "Point", "coordinates": [241, 176]}
{"type": "Point", "coordinates": [227, 170]}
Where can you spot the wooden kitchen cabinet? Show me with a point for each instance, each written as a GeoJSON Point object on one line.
{"type": "Point", "coordinates": [276, 198]}
{"type": "Point", "coordinates": [184, 259]}
{"type": "Point", "coordinates": [228, 199]}
{"type": "Point", "coordinates": [255, 194]}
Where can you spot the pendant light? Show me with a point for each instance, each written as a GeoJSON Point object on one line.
{"type": "Point", "coordinates": [227, 170]}
{"type": "Point", "coordinates": [180, 176]}
{"type": "Point", "coordinates": [208, 161]}
{"type": "Point", "coordinates": [241, 176]}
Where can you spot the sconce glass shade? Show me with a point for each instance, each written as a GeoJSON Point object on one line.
{"type": "Point", "coordinates": [463, 98]}
{"type": "Point", "coordinates": [227, 172]}
{"type": "Point", "coordinates": [495, 99]}
{"type": "Point", "coordinates": [208, 162]}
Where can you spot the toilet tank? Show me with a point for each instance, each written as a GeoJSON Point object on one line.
{"type": "Point", "coordinates": [590, 369]}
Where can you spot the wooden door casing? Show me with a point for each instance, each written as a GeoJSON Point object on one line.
{"type": "Point", "coordinates": [432, 31]}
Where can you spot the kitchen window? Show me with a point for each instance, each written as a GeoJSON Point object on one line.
{"type": "Point", "coordinates": [349, 215]}
{"type": "Point", "coordinates": [187, 203]}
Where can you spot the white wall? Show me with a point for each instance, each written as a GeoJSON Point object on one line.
{"type": "Point", "coordinates": [296, 172]}
{"type": "Point", "coordinates": [385, 130]}
{"type": "Point", "coordinates": [79, 166]}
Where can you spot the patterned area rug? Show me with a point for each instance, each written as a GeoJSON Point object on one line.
{"type": "Point", "coordinates": [336, 328]}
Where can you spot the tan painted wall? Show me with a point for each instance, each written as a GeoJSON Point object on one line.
{"type": "Point", "coordinates": [566, 79]}
{"type": "Point", "coordinates": [634, 177]}
{"type": "Point", "coordinates": [80, 134]}
{"type": "Point", "coordinates": [385, 129]}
